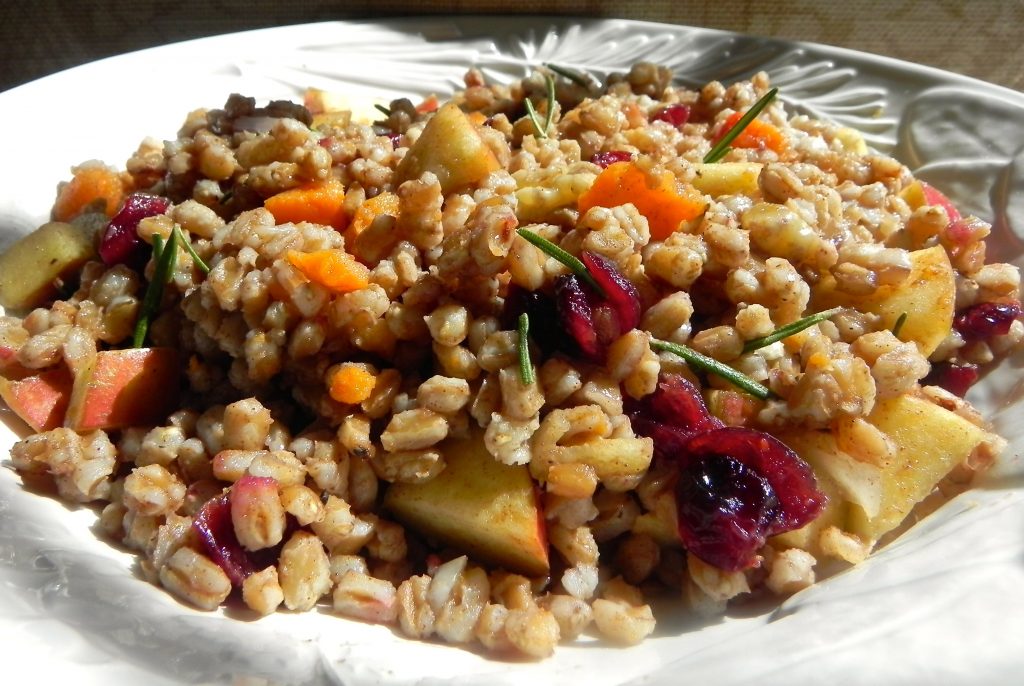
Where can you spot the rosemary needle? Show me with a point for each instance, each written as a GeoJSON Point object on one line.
{"type": "Point", "coordinates": [722, 147]}
{"type": "Point", "coordinates": [183, 239]}
{"type": "Point", "coordinates": [573, 263]}
{"type": "Point", "coordinates": [165, 256]}
{"type": "Point", "coordinates": [789, 329]}
{"type": "Point", "coordinates": [525, 365]}
{"type": "Point", "coordinates": [574, 76]}
{"type": "Point", "coordinates": [713, 366]}
{"type": "Point", "coordinates": [542, 129]}
{"type": "Point", "coordinates": [898, 326]}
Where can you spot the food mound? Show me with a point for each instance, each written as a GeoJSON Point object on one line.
{"type": "Point", "coordinates": [501, 370]}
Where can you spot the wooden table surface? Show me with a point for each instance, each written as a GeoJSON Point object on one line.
{"type": "Point", "coordinates": [979, 38]}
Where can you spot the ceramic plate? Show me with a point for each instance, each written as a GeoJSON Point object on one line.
{"type": "Point", "coordinates": [942, 604]}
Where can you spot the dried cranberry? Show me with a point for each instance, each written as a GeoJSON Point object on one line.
{"type": "Point", "coordinates": [121, 243]}
{"type": "Point", "coordinates": [595, 320]}
{"type": "Point", "coordinates": [669, 441]}
{"type": "Point", "coordinates": [606, 159]}
{"type": "Point", "coordinates": [671, 415]}
{"type": "Point", "coordinates": [986, 320]}
{"type": "Point", "coordinates": [395, 139]}
{"type": "Point", "coordinates": [619, 291]}
{"type": "Point", "coordinates": [791, 478]}
{"type": "Point", "coordinates": [736, 486]}
{"type": "Point", "coordinates": [217, 533]}
{"type": "Point", "coordinates": [725, 511]}
{"type": "Point", "coordinates": [955, 378]}
{"type": "Point", "coordinates": [676, 115]}
{"type": "Point", "coordinates": [577, 316]}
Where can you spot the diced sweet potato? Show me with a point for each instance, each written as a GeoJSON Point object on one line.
{"type": "Point", "coordinates": [92, 184]}
{"type": "Point", "coordinates": [665, 202]}
{"type": "Point", "coordinates": [320, 202]}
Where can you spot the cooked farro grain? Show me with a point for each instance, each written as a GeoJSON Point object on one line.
{"type": "Point", "coordinates": [304, 571]}
{"type": "Point", "coordinates": [195, 579]}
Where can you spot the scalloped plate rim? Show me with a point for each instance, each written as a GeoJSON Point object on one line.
{"type": "Point", "coordinates": [46, 584]}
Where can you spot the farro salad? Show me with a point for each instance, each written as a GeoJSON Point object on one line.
{"type": "Point", "coordinates": [499, 371]}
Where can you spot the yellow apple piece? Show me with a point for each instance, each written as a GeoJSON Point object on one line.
{"type": "Point", "coordinates": [538, 202]}
{"type": "Point", "coordinates": [32, 267]}
{"type": "Point", "coordinates": [852, 140]}
{"type": "Point", "coordinates": [913, 194]}
{"type": "Point", "coordinates": [122, 388]}
{"type": "Point", "coordinates": [477, 505]}
{"type": "Point", "coordinates": [927, 296]}
{"type": "Point", "coordinates": [930, 441]}
{"type": "Point", "coordinates": [451, 147]}
{"type": "Point", "coordinates": [815, 448]}
{"type": "Point", "coordinates": [339, 107]}
{"type": "Point", "coordinates": [727, 178]}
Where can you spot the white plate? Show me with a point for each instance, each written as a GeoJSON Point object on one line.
{"type": "Point", "coordinates": [943, 604]}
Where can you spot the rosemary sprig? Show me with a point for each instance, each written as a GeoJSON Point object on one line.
{"type": "Point", "coordinates": [183, 239]}
{"type": "Point", "coordinates": [570, 261]}
{"type": "Point", "coordinates": [584, 81]}
{"type": "Point", "coordinates": [165, 256]}
{"type": "Point", "coordinates": [722, 147]}
{"type": "Point", "coordinates": [713, 366]}
{"type": "Point", "coordinates": [790, 329]}
{"type": "Point", "coordinates": [898, 326]}
{"type": "Point", "coordinates": [532, 114]}
{"type": "Point", "coordinates": [386, 111]}
{"type": "Point", "coordinates": [525, 365]}
{"type": "Point", "coordinates": [542, 131]}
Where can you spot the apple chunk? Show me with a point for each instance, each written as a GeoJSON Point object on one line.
{"type": "Point", "coordinates": [930, 441]}
{"type": "Point", "coordinates": [927, 297]}
{"type": "Point", "coordinates": [727, 178]}
{"type": "Point", "coordinates": [478, 505]}
{"type": "Point", "coordinates": [816, 448]}
{"type": "Point", "coordinates": [452, 149]}
{"type": "Point", "coordinates": [39, 399]}
{"type": "Point", "coordinates": [31, 268]}
{"type": "Point", "coordinates": [136, 387]}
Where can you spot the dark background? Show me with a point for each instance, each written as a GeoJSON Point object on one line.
{"type": "Point", "coordinates": [979, 38]}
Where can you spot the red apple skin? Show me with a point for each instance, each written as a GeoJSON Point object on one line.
{"type": "Point", "coordinates": [39, 399]}
{"type": "Point", "coordinates": [933, 196]}
{"type": "Point", "coordinates": [135, 387]}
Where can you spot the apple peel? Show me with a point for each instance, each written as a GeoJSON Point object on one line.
{"type": "Point", "coordinates": [122, 388]}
